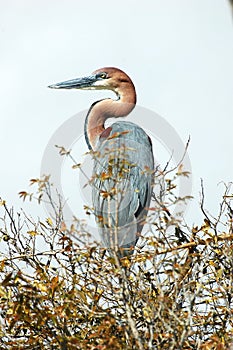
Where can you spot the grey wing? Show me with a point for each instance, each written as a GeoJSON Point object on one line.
{"type": "Point", "coordinates": [122, 187]}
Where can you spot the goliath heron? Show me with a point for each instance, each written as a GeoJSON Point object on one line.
{"type": "Point", "coordinates": [123, 160]}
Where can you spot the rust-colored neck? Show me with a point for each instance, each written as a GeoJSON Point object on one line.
{"type": "Point", "coordinates": [102, 110]}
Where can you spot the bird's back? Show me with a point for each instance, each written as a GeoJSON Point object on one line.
{"type": "Point", "coordinates": [122, 183]}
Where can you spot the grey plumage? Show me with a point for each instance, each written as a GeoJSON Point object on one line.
{"type": "Point", "coordinates": [122, 184]}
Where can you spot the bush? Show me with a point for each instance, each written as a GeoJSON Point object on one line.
{"type": "Point", "coordinates": [61, 290]}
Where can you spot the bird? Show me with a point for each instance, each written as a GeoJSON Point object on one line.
{"type": "Point", "coordinates": [122, 180]}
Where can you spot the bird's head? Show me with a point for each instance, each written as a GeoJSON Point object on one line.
{"type": "Point", "coordinates": [107, 78]}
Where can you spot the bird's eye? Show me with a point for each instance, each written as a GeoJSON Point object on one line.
{"type": "Point", "coordinates": [102, 75]}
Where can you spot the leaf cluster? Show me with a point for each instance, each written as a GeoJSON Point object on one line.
{"type": "Point", "coordinates": [61, 290]}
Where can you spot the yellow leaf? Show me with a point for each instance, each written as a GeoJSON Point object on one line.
{"type": "Point", "coordinates": [63, 226]}
{"type": "Point", "coordinates": [40, 286]}
{"type": "Point", "coordinates": [104, 176]}
{"type": "Point", "coordinates": [147, 313]}
{"type": "Point", "coordinates": [54, 281]}
{"type": "Point", "coordinates": [62, 151]}
{"type": "Point", "coordinates": [195, 229]}
{"type": "Point", "coordinates": [125, 262]}
{"type": "Point", "coordinates": [76, 166]}
{"type": "Point", "coordinates": [82, 295]}
{"type": "Point", "coordinates": [116, 134]}
{"type": "Point", "coordinates": [180, 169]}
{"type": "Point", "coordinates": [32, 233]}
{"type": "Point", "coordinates": [10, 311]}
{"type": "Point", "coordinates": [207, 223]}
{"type": "Point", "coordinates": [23, 194]}
{"type": "Point", "coordinates": [49, 221]}
{"type": "Point", "coordinates": [2, 202]}
{"type": "Point", "coordinates": [3, 293]}
{"type": "Point", "coordinates": [2, 265]}
{"type": "Point", "coordinates": [219, 273]}
{"type": "Point", "coordinates": [104, 194]}
{"type": "Point", "coordinates": [33, 181]}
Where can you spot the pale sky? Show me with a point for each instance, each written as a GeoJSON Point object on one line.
{"type": "Point", "coordinates": [179, 54]}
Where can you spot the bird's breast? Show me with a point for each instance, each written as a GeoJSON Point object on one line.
{"type": "Point", "coordinates": [106, 133]}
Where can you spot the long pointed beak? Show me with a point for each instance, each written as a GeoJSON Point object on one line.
{"type": "Point", "coordinates": [79, 83]}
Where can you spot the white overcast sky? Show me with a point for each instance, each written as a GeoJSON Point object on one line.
{"type": "Point", "coordinates": [179, 53]}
